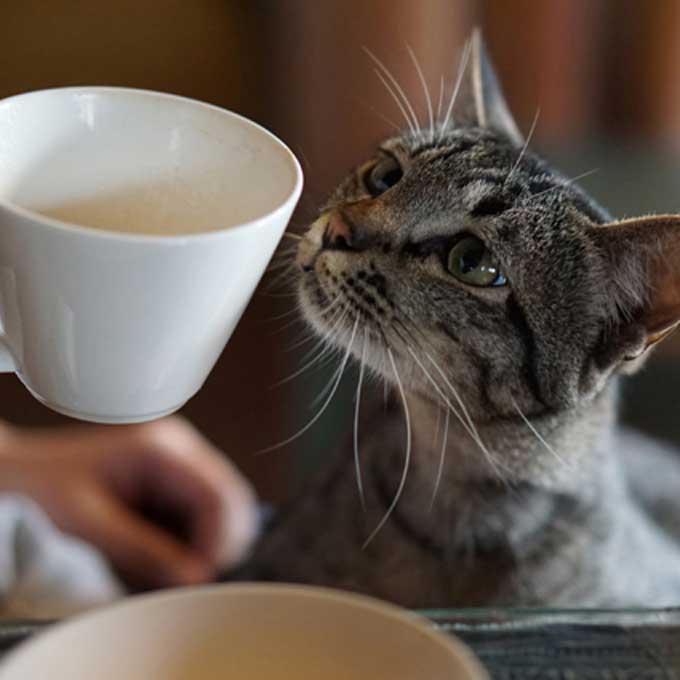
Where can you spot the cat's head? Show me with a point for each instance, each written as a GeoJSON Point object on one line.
{"type": "Point", "coordinates": [462, 260]}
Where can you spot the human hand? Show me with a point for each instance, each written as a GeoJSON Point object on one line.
{"type": "Point", "coordinates": [164, 505]}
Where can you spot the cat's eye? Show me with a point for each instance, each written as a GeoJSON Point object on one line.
{"type": "Point", "coordinates": [471, 262]}
{"type": "Point", "coordinates": [382, 176]}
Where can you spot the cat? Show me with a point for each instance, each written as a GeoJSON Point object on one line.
{"type": "Point", "coordinates": [502, 304]}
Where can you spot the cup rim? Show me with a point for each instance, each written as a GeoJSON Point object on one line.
{"type": "Point", "coordinates": [456, 649]}
{"type": "Point", "coordinates": [71, 227]}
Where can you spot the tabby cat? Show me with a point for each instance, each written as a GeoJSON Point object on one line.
{"type": "Point", "coordinates": [502, 304]}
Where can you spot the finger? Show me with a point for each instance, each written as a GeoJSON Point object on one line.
{"type": "Point", "coordinates": [143, 553]}
{"type": "Point", "coordinates": [182, 487]}
{"type": "Point", "coordinates": [191, 474]}
{"type": "Point", "coordinates": [161, 469]}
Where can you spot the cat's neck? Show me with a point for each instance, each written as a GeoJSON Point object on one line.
{"type": "Point", "coordinates": [531, 480]}
{"type": "Point", "coordinates": [550, 450]}
{"type": "Point", "coordinates": [510, 476]}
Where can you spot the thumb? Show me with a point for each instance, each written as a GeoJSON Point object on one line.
{"type": "Point", "coordinates": [144, 554]}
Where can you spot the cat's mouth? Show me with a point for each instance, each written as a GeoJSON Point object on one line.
{"type": "Point", "coordinates": [348, 299]}
{"type": "Point", "coordinates": [345, 294]}
{"type": "Point", "coordinates": [341, 318]}
{"type": "Point", "coordinates": [341, 297]}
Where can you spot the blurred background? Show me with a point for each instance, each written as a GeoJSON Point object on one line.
{"type": "Point", "coordinates": [604, 74]}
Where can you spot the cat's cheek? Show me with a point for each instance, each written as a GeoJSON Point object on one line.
{"type": "Point", "coordinates": [313, 302]}
{"type": "Point", "coordinates": [311, 295]}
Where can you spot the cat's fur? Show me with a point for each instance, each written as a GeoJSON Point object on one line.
{"type": "Point", "coordinates": [542, 500]}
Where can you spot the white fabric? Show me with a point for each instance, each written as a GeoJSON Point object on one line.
{"type": "Point", "coordinates": [43, 572]}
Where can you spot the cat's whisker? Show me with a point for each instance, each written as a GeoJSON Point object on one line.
{"type": "Point", "coordinates": [314, 355]}
{"type": "Point", "coordinates": [525, 146]}
{"type": "Point", "coordinates": [322, 349]}
{"type": "Point", "coordinates": [538, 435]}
{"type": "Point", "coordinates": [285, 288]}
{"type": "Point", "coordinates": [387, 386]}
{"type": "Point", "coordinates": [467, 50]}
{"type": "Point", "coordinates": [388, 87]}
{"type": "Point", "coordinates": [282, 271]}
{"type": "Point", "coordinates": [302, 339]}
{"type": "Point", "coordinates": [357, 403]}
{"type": "Point", "coordinates": [426, 90]}
{"type": "Point", "coordinates": [564, 184]}
{"type": "Point", "coordinates": [332, 349]}
{"type": "Point", "coordinates": [323, 408]}
{"type": "Point", "coordinates": [377, 113]}
{"type": "Point", "coordinates": [322, 352]}
{"type": "Point", "coordinates": [331, 354]}
{"type": "Point", "coordinates": [282, 279]}
{"type": "Point", "coordinates": [441, 97]}
{"type": "Point", "coordinates": [491, 459]}
{"type": "Point", "coordinates": [288, 234]}
{"type": "Point", "coordinates": [325, 359]}
{"type": "Point", "coordinates": [282, 260]}
{"type": "Point", "coordinates": [442, 456]}
{"type": "Point", "coordinates": [334, 353]}
{"type": "Point", "coordinates": [308, 335]}
{"type": "Point", "coordinates": [277, 295]}
{"type": "Point", "coordinates": [407, 456]}
{"type": "Point", "coordinates": [295, 309]}
{"type": "Point", "coordinates": [283, 251]}
{"type": "Point", "coordinates": [287, 325]}
{"type": "Point", "coordinates": [336, 302]}
{"type": "Point", "coordinates": [278, 273]}
{"type": "Point", "coordinates": [397, 86]}
{"type": "Point", "coordinates": [287, 283]}
{"type": "Point", "coordinates": [283, 264]}
{"type": "Point", "coordinates": [437, 423]}
{"type": "Point", "coordinates": [467, 423]}
{"type": "Point", "coordinates": [333, 323]}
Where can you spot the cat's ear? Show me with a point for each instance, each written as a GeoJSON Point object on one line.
{"type": "Point", "coordinates": [643, 256]}
{"type": "Point", "coordinates": [479, 100]}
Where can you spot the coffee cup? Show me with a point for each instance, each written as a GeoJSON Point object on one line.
{"type": "Point", "coordinates": [134, 228]}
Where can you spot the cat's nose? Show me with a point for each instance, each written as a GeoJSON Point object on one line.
{"type": "Point", "coordinates": [339, 233]}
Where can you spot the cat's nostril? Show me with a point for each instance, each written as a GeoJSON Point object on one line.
{"type": "Point", "coordinates": [338, 234]}
{"type": "Point", "coordinates": [342, 243]}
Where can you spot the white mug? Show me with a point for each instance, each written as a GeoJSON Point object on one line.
{"type": "Point", "coordinates": [134, 228]}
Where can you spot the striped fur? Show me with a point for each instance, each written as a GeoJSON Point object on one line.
{"type": "Point", "coordinates": [536, 502]}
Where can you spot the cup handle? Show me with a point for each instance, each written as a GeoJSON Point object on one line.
{"type": "Point", "coordinates": [7, 364]}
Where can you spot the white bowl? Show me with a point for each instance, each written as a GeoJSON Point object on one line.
{"type": "Point", "coordinates": [244, 632]}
